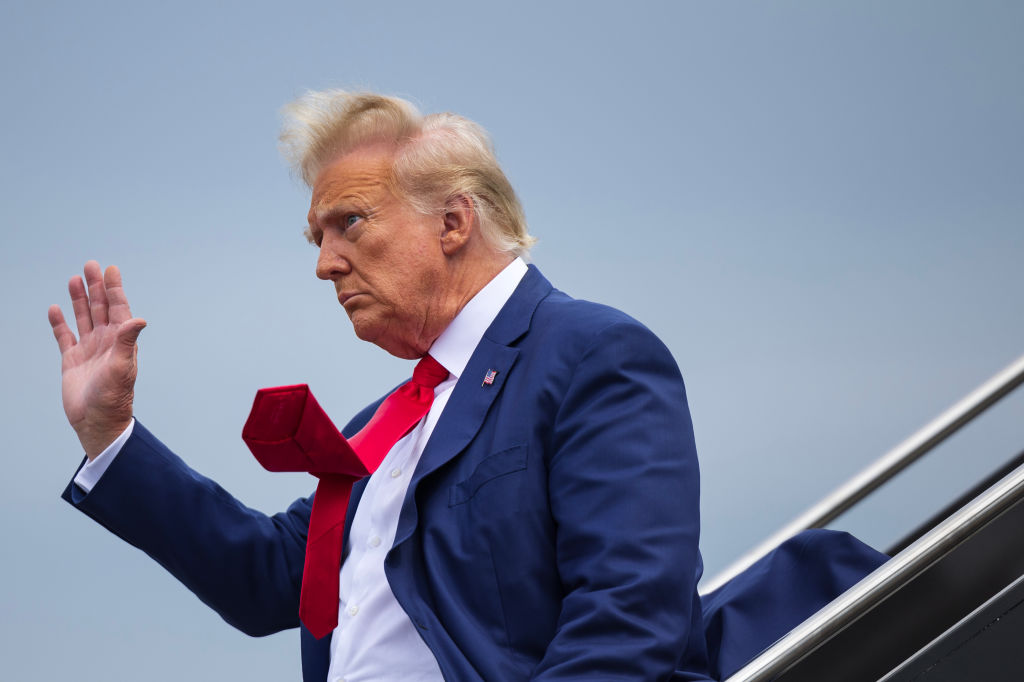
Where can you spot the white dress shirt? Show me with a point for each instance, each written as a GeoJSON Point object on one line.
{"type": "Point", "coordinates": [375, 639]}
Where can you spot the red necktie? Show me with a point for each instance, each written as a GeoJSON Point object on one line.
{"type": "Point", "coordinates": [288, 431]}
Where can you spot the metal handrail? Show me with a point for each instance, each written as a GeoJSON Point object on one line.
{"type": "Point", "coordinates": [884, 581]}
{"type": "Point", "coordinates": [938, 517]}
{"type": "Point", "coordinates": [887, 466]}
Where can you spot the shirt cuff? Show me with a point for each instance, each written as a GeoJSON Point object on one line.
{"type": "Point", "coordinates": [90, 473]}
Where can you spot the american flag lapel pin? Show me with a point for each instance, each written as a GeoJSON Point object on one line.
{"type": "Point", "coordinates": [489, 377]}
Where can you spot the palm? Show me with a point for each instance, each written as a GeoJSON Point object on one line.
{"type": "Point", "coordinates": [94, 377]}
{"type": "Point", "coordinates": [98, 369]}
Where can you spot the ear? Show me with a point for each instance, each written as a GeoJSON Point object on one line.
{"type": "Point", "coordinates": [459, 224]}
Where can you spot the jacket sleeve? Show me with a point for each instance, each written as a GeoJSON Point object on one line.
{"type": "Point", "coordinates": [624, 494]}
{"type": "Point", "coordinates": [245, 565]}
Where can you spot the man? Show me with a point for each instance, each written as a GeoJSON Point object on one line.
{"type": "Point", "coordinates": [539, 521]}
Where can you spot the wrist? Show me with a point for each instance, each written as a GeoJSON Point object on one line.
{"type": "Point", "coordinates": [98, 438]}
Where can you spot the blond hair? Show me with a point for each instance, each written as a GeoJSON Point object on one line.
{"type": "Point", "coordinates": [437, 157]}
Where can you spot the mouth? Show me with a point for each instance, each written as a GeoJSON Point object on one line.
{"type": "Point", "coordinates": [346, 296]}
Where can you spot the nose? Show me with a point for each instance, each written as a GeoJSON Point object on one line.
{"type": "Point", "coordinates": [332, 263]}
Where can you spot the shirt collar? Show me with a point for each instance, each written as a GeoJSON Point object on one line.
{"type": "Point", "coordinates": [457, 342]}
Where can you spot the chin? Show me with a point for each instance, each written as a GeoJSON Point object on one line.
{"type": "Point", "coordinates": [365, 332]}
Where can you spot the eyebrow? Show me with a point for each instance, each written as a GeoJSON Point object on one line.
{"type": "Point", "coordinates": [325, 214]}
{"type": "Point", "coordinates": [321, 215]}
{"type": "Point", "coordinates": [328, 213]}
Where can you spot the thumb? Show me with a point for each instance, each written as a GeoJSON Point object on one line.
{"type": "Point", "coordinates": [128, 334]}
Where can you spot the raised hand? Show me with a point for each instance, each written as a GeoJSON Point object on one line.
{"type": "Point", "coordinates": [98, 369]}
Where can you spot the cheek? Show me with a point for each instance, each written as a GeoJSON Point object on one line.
{"type": "Point", "coordinates": [395, 288]}
{"type": "Point", "coordinates": [414, 275]}
{"type": "Point", "coordinates": [407, 274]}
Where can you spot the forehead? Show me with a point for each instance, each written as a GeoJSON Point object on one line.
{"type": "Point", "coordinates": [361, 174]}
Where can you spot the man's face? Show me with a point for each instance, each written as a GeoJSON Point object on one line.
{"type": "Point", "coordinates": [384, 258]}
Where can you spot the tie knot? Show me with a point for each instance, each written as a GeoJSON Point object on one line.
{"type": "Point", "coordinates": [429, 372]}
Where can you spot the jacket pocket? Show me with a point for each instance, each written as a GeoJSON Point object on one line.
{"type": "Point", "coordinates": [493, 466]}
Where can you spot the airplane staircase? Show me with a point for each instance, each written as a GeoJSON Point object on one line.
{"type": "Point", "coordinates": [948, 605]}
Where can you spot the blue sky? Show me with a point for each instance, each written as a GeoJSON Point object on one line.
{"type": "Point", "coordinates": [817, 206]}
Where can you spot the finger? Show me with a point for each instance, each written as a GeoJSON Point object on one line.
{"type": "Point", "coordinates": [119, 309]}
{"type": "Point", "coordinates": [80, 304]}
{"type": "Point", "coordinates": [98, 305]}
{"type": "Point", "coordinates": [65, 337]}
{"type": "Point", "coordinates": [127, 335]}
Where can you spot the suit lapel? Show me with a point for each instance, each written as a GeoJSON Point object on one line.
{"type": "Point", "coordinates": [473, 396]}
{"type": "Point", "coordinates": [467, 406]}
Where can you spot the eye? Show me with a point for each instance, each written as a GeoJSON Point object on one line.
{"type": "Point", "coordinates": [352, 220]}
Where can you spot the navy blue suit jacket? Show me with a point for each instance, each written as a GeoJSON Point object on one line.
{"type": "Point", "coordinates": [549, 532]}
